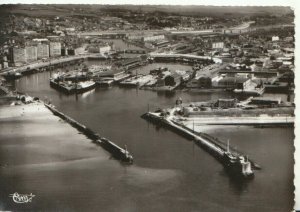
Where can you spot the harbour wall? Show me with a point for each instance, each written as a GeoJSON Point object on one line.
{"type": "Point", "coordinates": [212, 145]}
{"type": "Point", "coordinates": [115, 150]}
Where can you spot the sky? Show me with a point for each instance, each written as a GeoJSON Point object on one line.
{"type": "Point", "coordinates": [157, 2]}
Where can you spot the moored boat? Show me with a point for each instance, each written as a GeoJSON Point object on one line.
{"type": "Point", "coordinates": [12, 75]}
{"type": "Point", "coordinates": [84, 86]}
{"type": "Point", "coordinates": [105, 82]}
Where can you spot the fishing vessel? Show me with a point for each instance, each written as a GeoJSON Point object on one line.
{"type": "Point", "coordinates": [105, 82]}
{"type": "Point", "coordinates": [12, 75]}
{"type": "Point", "coordinates": [84, 86]}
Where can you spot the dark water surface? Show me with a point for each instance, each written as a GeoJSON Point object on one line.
{"type": "Point", "coordinates": [169, 172]}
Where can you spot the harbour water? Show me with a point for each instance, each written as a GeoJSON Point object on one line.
{"type": "Point", "coordinates": [169, 173]}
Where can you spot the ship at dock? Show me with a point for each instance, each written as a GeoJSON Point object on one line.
{"type": "Point", "coordinates": [69, 87]}
{"type": "Point", "coordinates": [105, 82]}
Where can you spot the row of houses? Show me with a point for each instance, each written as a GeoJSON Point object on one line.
{"type": "Point", "coordinates": [43, 50]}
{"type": "Point", "coordinates": [146, 38]}
{"type": "Point", "coordinates": [27, 54]}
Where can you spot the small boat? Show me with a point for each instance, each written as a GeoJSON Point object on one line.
{"type": "Point", "coordinates": [105, 82]}
{"type": "Point", "coordinates": [12, 75]}
{"type": "Point", "coordinates": [84, 86]}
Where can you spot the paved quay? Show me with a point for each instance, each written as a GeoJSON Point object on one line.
{"type": "Point", "coordinates": [41, 64]}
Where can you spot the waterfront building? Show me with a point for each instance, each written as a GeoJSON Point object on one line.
{"type": "Point", "coordinates": [265, 101]}
{"type": "Point", "coordinates": [234, 82]}
{"type": "Point", "coordinates": [18, 55]}
{"type": "Point", "coordinates": [201, 82]}
{"type": "Point", "coordinates": [173, 79]}
{"type": "Point", "coordinates": [153, 38]}
{"type": "Point", "coordinates": [42, 51]}
{"type": "Point", "coordinates": [218, 45]}
{"type": "Point", "coordinates": [92, 49]}
{"type": "Point", "coordinates": [77, 51]}
{"type": "Point", "coordinates": [161, 78]}
{"type": "Point", "coordinates": [227, 103]}
{"type": "Point", "coordinates": [135, 37]}
{"type": "Point", "coordinates": [31, 53]}
{"type": "Point", "coordinates": [130, 63]}
{"type": "Point", "coordinates": [40, 40]}
{"type": "Point", "coordinates": [5, 64]}
{"type": "Point", "coordinates": [64, 51]}
{"type": "Point", "coordinates": [55, 49]}
{"type": "Point", "coordinates": [71, 51]}
{"type": "Point", "coordinates": [104, 49]}
{"type": "Point", "coordinates": [275, 38]}
{"type": "Point", "coordinates": [71, 29]}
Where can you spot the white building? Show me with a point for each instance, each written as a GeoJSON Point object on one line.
{"type": "Point", "coordinates": [31, 53]}
{"type": "Point", "coordinates": [19, 55]}
{"type": "Point", "coordinates": [79, 50]}
{"type": "Point", "coordinates": [215, 81]}
{"type": "Point", "coordinates": [5, 64]}
{"type": "Point", "coordinates": [42, 51]}
{"type": "Point", "coordinates": [71, 29]}
{"type": "Point", "coordinates": [55, 49]}
{"type": "Point", "coordinates": [218, 45]}
{"type": "Point", "coordinates": [104, 49]}
{"type": "Point", "coordinates": [135, 37]}
{"type": "Point", "coordinates": [40, 40]}
{"type": "Point", "coordinates": [153, 38]}
{"type": "Point", "coordinates": [275, 38]}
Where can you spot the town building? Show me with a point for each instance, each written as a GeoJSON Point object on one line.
{"type": "Point", "coordinates": [275, 38]}
{"type": "Point", "coordinates": [104, 49]}
{"type": "Point", "coordinates": [234, 83]}
{"type": "Point", "coordinates": [131, 63]}
{"type": "Point", "coordinates": [218, 45]}
{"type": "Point", "coordinates": [31, 53]}
{"type": "Point", "coordinates": [135, 37]}
{"type": "Point", "coordinates": [173, 79]}
{"type": "Point", "coordinates": [265, 101]}
{"type": "Point", "coordinates": [55, 49]}
{"type": "Point", "coordinates": [17, 55]}
{"type": "Point", "coordinates": [153, 38]}
{"type": "Point", "coordinates": [226, 103]}
{"type": "Point", "coordinates": [77, 51]}
{"type": "Point", "coordinates": [5, 64]}
{"type": "Point", "coordinates": [42, 51]}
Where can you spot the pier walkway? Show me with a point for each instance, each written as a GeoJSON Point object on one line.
{"type": "Point", "coordinates": [114, 149]}
{"type": "Point", "coordinates": [209, 143]}
{"type": "Point", "coordinates": [53, 62]}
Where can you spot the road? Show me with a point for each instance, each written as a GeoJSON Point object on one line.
{"type": "Point", "coordinates": [41, 64]}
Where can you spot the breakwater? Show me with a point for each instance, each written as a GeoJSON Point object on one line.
{"type": "Point", "coordinates": [116, 151]}
{"type": "Point", "coordinates": [212, 145]}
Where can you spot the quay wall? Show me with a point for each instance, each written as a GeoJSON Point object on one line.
{"type": "Point", "coordinates": [52, 62]}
